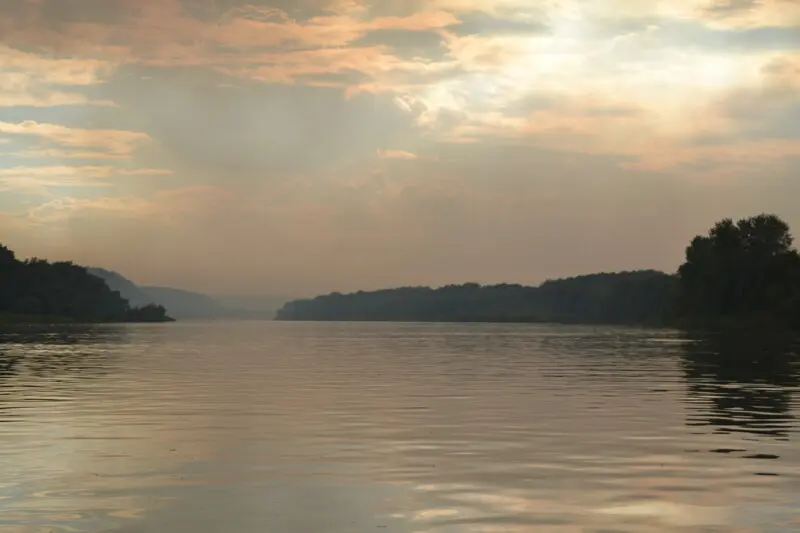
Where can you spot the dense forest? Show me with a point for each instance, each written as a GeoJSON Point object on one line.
{"type": "Point", "coordinates": [187, 305]}
{"type": "Point", "coordinates": [629, 297]}
{"type": "Point", "coordinates": [35, 290]}
{"type": "Point", "coordinates": [739, 272]}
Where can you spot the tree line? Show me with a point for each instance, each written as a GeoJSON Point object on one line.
{"type": "Point", "coordinates": [35, 290]}
{"type": "Point", "coordinates": [626, 297]}
{"type": "Point", "coordinates": [740, 272]}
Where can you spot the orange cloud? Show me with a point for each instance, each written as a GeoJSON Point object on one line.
{"type": "Point", "coordinates": [764, 13]}
{"type": "Point", "coordinates": [258, 43]}
{"type": "Point", "coordinates": [396, 154]}
{"type": "Point", "coordinates": [40, 180]}
{"type": "Point", "coordinates": [33, 80]}
{"type": "Point", "coordinates": [56, 153]}
{"type": "Point", "coordinates": [145, 172]}
{"type": "Point", "coordinates": [165, 206]}
{"type": "Point", "coordinates": [62, 209]}
{"type": "Point", "coordinates": [43, 179]}
{"type": "Point", "coordinates": [58, 171]}
{"type": "Point", "coordinates": [162, 33]}
{"type": "Point", "coordinates": [114, 142]}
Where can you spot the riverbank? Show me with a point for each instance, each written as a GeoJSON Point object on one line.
{"type": "Point", "coordinates": [22, 319]}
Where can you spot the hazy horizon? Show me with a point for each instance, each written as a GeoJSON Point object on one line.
{"type": "Point", "coordinates": [299, 147]}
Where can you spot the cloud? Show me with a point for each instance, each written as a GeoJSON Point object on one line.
{"type": "Point", "coordinates": [770, 109]}
{"type": "Point", "coordinates": [21, 93]}
{"type": "Point", "coordinates": [52, 71]}
{"type": "Point", "coordinates": [39, 181]}
{"type": "Point", "coordinates": [376, 138]}
{"type": "Point", "coordinates": [525, 91]}
{"type": "Point", "coordinates": [693, 34]}
{"type": "Point", "coordinates": [256, 133]}
{"type": "Point", "coordinates": [38, 81]}
{"type": "Point", "coordinates": [396, 154]}
{"type": "Point", "coordinates": [342, 46]}
{"type": "Point", "coordinates": [751, 13]}
{"type": "Point", "coordinates": [337, 48]}
{"type": "Point", "coordinates": [145, 172]}
{"type": "Point", "coordinates": [112, 142]}
{"type": "Point", "coordinates": [62, 209]}
{"type": "Point", "coordinates": [43, 180]}
{"type": "Point", "coordinates": [163, 207]}
{"type": "Point", "coordinates": [784, 70]}
{"type": "Point", "coordinates": [639, 141]}
{"type": "Point", "coordinates": [43, 186]}
{"type": "Point", "coordinates": [56, 153]}
{"type": "Point", "coordinates": [729, 7]}
{"type": "Point", "coordinates": [375, 63]}
{"type": "Point", "coordinates": [56, 171]}
{"type": "Point", "coordinates": [715, 161]}
{"type": "Point", "coordinates": [481, 22]}
{"type": "Point", "coordinates": [164, 33]}
{"type": "Point", "coordinates": [408, 44]}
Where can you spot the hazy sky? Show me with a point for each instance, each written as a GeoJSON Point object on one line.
{"type": "Point", "coordinates": [301, 146]}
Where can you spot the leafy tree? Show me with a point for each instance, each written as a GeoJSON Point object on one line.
{"type": "Point", "coordinates": [36, 287]}
{"type": "Point", "coordinates": [7, 257]}
{"type": "Point", "coordinates": [147, 313]}
{"type": "Point", "coordinates": [741, 270]}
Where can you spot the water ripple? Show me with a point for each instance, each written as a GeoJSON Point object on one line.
{"type": "Point", "coordinates": [249, 426]}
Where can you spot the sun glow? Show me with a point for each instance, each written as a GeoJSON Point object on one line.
{"type": "Point", "coordinates": [669, 90]}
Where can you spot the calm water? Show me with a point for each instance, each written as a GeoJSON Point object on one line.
{"type": "Point", "coordinates": [305, 428]}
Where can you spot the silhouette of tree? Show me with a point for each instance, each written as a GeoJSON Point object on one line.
{"type": "Point", "coordinates": [36, 289]}
{"type": "Point", "coordinates": [7, 257]}
{"type": "Point", "coordinates": [147, 313]}
{"type": "Point", "coordinates": [741, 270]}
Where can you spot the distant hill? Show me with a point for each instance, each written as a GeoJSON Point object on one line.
{"type": "Point", "coordinates": [183, 304]}
{"type": "Point", "coordinates": [186, 304]}
{"type": "Point", "coordinates": [257, 306]}
{"type": "Point", "coordinates": [127, 289]}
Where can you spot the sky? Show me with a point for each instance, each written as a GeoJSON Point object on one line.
{"type": "Point", "coordinates": [295, 147]}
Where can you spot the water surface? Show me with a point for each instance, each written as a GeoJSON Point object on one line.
{"type": "Point", "coordinates": [309, 427]}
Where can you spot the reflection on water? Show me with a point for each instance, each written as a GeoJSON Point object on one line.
{"type": "Point", "coordinates": [743, 383]}
{"type": "Point", "coordinates": [293, 427]}
{"type": "Point", "coordinates": [42, 351]}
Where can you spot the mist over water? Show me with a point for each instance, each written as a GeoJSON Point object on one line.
{"type": "Point", "coordinates": [298, 427]}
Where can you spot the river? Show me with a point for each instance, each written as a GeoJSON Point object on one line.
{"type": "Point", "coordinates": [361, 427]}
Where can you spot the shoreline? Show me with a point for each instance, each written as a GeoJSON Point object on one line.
{"type": "Point", "coordinates": [24, 320]}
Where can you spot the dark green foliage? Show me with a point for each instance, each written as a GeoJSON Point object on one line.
{"type": "Point", "coordinates": [639, 297]}
{"type": "Point", "coordinates": [147, 313]}
{"type": "Point", "coordinates": [642, 297]}
{"type": "Point", "coordinates": [62, 290]}
{"type": "Point", "coordinates": [741, 272]}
